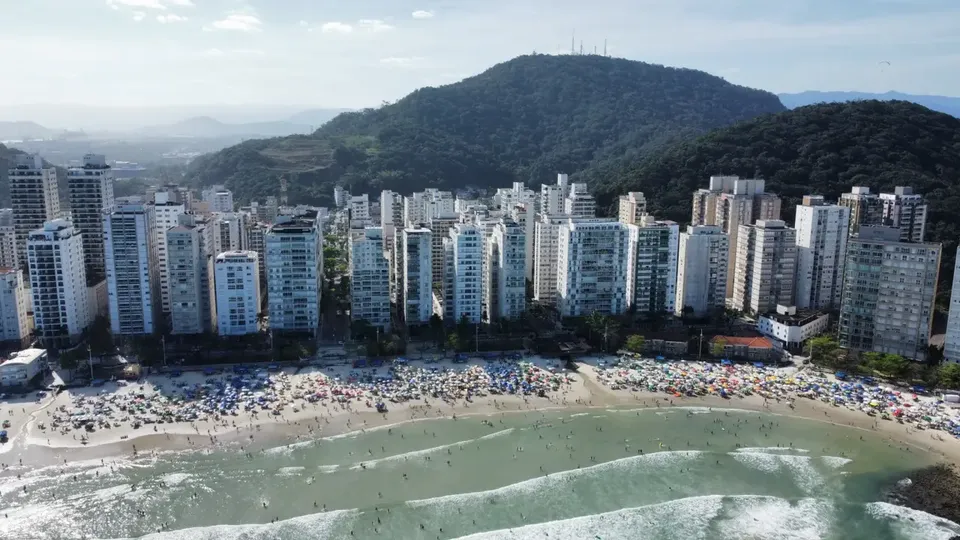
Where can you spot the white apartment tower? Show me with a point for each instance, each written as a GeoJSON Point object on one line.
{"type": "Point", "coordinates": [552, 196]}
{"type": "Point", "coordinates": [219, 198]}
{"type": "Point", "coordinates": [702, 270]}
{"type": "Point", "coordinates": [440, 228]}
{"type": "Point", "coordinates": [229, 231]}
{"type": "Point", "coordinates": [256, 241]}
{"type": "Point", "coordinates": [633, 206]}
{"type": "Point", "coordinates": [652, 265]}
{"type": "Point", "coordinates": [822, 231]}
{"type": "Point", "coordinates": [524, 214]}
{"type": "Point", "coordinates": [865, 208]}
{"type": "Point", "coordinates": [579, 202]}
{"type": "Point", "coordinates": [360, 208]}
{"type": "Point", "coordinates": [34, 195]}
{"type": "Point", "coordinates": [133, 279]}
{"type": "Point", "coordinates": [507, 299]}
{"type": "Point", "coordinates": [91, 195]}
{"type": "Point", "coordinates": [765, 267]}
{"type": "Point", "coordinates": [906, 211]}
{"type": "Point", "coordinates": [190, 272]}
{"type": "Point", "coordinates": [294, 273]}
{"type": "Point", "coordinates": [592, 268]}
{"type": "Point", "coordinates": [13, 306]}
{"type": "Point", "coordinates": [167, 214]}
{"type": "Point", "coordinates": [58, 282]}
{"type": "Point", "coordinates": [888, 294]}
{"type": "Point", "coordinates": [547, 249]}
{"type": "Point", "coordinates": [951, 343]}
{"type": "Point", "coordinates": [9, 256]}
{"type": "Point", "coordinates": [369, 279]}
{"type": "Point", "coordinates": [467, 242]}
{"type": "Point", "coordinates": [237, 279]}
{"type": "Point", "coordinates": [417, 275]}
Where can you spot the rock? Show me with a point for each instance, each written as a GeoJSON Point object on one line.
{"type": "Point", "coordinates": [935, 490]}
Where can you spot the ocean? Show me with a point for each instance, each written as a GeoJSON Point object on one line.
{"type": "Point", "coordinates": [638, 474]}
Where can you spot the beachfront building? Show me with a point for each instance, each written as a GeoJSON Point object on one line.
{"type": "Point", "coordinates": [632, 207]}
{"type": "Point", "coordinates": [791, 328]}
{"type": "Point", "coordinates": [951, 342]}
{"type": "Point", "coordinates": [579, 202]}
{"type": "Point", "coordinates": [166, 212]}
{"type": "Point", "coordinates": [237, 279]}
{"type": "Point", "coordinates": [218, 198]}
{"type": "Point", "coordinates": [58, 283]}
{"type": "Point", "coordinates": [90, 188]}
{"type": "Point", "coordinates": [34, 195]}
{"type": "Point", "coordinates": [417, 290]}
{"type": "Point", "coordinates": [19, 369]}
{"type": "Point", "coordinates": [701, 270]}
{"type": "Point", "coordinates": [525, 215]}
{"type": "Point", "coordinates": [765, 267]}
{"type": "Point", "coordinates": [467, 242]}
{"type": "Point", "coordinates": [294, 248]}
{"type": "Point", "coordinates": [888, 294]}
{"type": "Point", "coordinates": [256, 237]}
{"type": "Point", "coordinates": [506, 252]}
{"type": "Point", "coordinates": [592, 268]}
{"type": "Point", "coordinates": [906, 211]}
{"type": "Point", "coordinates": [14, 326]}
{"type": "Point", "coordinates": [552, 196]}
{"type": "Point", "coordinates": [652, 265]}
{"type": "Point", "coordinates": [865, 208]}
{"type": "Point", "coordinates": [9, 258]}
{"type": "Point", "coordinates": [133, 280]}
{"type": "Point", "coordinates": [730, 202]}
{"type": "Point", "coordinates": [440, 226]}
{"type": "Point", "coordinates": [822, 231]}
{"type": "Point", "coordinates": [190, 271]}
{"type": "Point", "coordinates": [369, 279]}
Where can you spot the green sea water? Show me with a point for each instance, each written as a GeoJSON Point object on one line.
{"type": "Point", "coordinates": [652, 474]}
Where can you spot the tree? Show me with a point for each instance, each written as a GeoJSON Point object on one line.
{"type": "Point", "coordinates": [454, 342]}
{"type": "Point", "coordinates": [888, 365]}
{"type": "Point", "coordinates": [436, 330]}
{"type": "Point", "coordinates": [949, 376]}
{"type": "Point", "coordinates": [360, 329]}
{"type": "Point", "coordinates": [635, 343]}
{"type": "Point", "coordinates": [718, 347]}
{"type": "Point", "coordinates": [824, 351]}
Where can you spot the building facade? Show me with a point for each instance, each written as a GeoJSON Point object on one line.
{"type": "Point", "coordinates": [865, 208]}
{"type": "Point", "coordinates": [652, 265]}
{"type": "Point", "coordinates": [90, 188]}
{"type": "Point", "coordinates": [822, 231]}
{"type": "Point", "coordinates": [237, 279]}
{"type": "Point", "coordinates": [133, 278]}
{"type": "Point", "coordinates": [951, 342]}
{"type": "Point", "coordinates": [702, 264]}
{"type": "Point", "coordinates": [417, 275]}
{"type": "Point", "coordinates": [765, 268]}
{"type": "Point", "coordinates": [190, 270]}
{"type": "Point", "coordinates": [166, 214]}
{"type": "Point", "coordinates": [906, 211]}
{"type": "Point", "coordinates": [508, 268]}
{"type": "Point", "coordinates": [219, 198]}
{"type": "Point", "coordinates": [294, 273]}
{"type": "Point", "coordinates": [369, 279]}
{"type": "Point", "coordinates": [14, 326]}
{"type": "Point", "coordinates": [58, 283]}
{"type": "Point", "coordinates": [34, 195]}
{"type": "Point", "coordinates": [467, 242]}
{"type": "Point", "coordinates": [592, 268]}
{"type": "Point", "coordinates": [632, 207]}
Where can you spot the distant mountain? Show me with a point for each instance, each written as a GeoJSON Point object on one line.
{"type": "Point", "coordinates": [526, 119]}
{"type": "Point", "coordinates": [315, 117]}
{"type": "Point", "coordinates": [944, 104]}
{"type": "Point", "coordinates": [205, 126]}
{"type": "Point", "coordinates": [10, 131]}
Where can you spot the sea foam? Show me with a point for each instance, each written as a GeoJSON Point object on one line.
{"type": "Point", "coordinates": [913, 524]}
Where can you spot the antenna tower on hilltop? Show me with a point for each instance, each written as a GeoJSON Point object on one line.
{"type": "Point", "coordinates": [283, 190]}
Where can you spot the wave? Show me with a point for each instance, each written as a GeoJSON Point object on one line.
{"type": "Point", "coordinates": [310, 526]}
{"type": "Point", "coordinates": [913, 524]}
{"type": "Point", "coordinates": [802, 468]}
{"type": "Point", "coordinates": [787, 449]}
{"type": "Point", "coordinates": [426, 451]}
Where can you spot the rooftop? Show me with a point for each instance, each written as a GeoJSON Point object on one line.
{"type": "Point", "coordinates": [758, 342]}
{"type": "Point", "coordinates": [24, 357]}
{"type": "Point", "coordinates": [800, 318]}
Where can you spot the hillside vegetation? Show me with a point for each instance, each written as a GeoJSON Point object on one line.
{"type": "Point", "coordinates": [526, 119]}
{"type": "Point", "coordinates": [819, 149]}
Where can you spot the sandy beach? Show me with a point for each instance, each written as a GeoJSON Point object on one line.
{"type": "Point", "coordinates": [35, 442]}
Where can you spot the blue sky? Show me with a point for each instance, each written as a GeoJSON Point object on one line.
{"type": "Point", "coordinates": [356, 53]}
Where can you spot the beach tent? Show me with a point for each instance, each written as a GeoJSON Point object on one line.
{"type": "Point", "coordinates": [726, 362]}
{"type": "Point", "coordinates": [758, 364]}
{"type": "Point", "coordinates": [840, 375]}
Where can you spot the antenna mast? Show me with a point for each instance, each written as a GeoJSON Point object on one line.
{"type": "Point", "coordinates": [283, 190]}
{"type": "Point", "coordinates": [573, 37]}
{"type": "Point", "coordinates": [604, 46]}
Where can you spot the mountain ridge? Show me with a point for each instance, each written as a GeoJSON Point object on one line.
{"type": "Point", "coordinates": [945, 104]}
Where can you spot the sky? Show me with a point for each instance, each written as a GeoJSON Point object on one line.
{"type": "Point", "coordinates": [361, 53]}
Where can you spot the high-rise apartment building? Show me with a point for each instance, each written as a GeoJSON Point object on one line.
{"type": "Point", "coordinates": [552, 196]}
{"type": "Point", "coordinates": [369, 279]}
{"type": "Point", "coordinates": [633, 206]}
{"type": "Point", "coordinates": [951, 342]}
{"type": "Point", "coordinates": [865, 208]}
{"type": "Point", "coordinates": [547, 251]}
{"type": "Point", "coordinates": [166, 214]}
{"type": "Point", "coordinates": [525, 215]}
{"type": "Point", "coordinates": [506, 198]}
{"type": "Point", "coordinates": [360, 208]}
{"type": "Point", "coordinates": [506, 253]}
{"type": "Point", "coordinates": [766, 267]}
{"type": "Point", "coordinates": [133, 278]}
{"type": "Point", "coordinates": [652, 265]}
{"type": "Point", "coordinates": [190, 273]}
{"type": "Point", "coordinates": [34, 195]}
{"type": "Point", "coordinates": [257, 242]}
{"type": "Point", "coordinates": [579, 202]}
{"type": "Point", "coordinates": [294, 273]}
{"type": "Point", "coordinates": [592, 268]}
{"type": "Point", "coordinates": [439, 226]}
{"type": "Point", "coordinates": [229, 231]}
{"type": "Point", "coordinates": [419, 208]}
{"type": "Point", "coordinates": [702, 270]}
{"type": "Point", "coordinates": [91, 195]}
{"type": "Point", "coordinates": [906, 211]}
{"type": "Point", "coordinates": [14, 326]}
{"type": "Point", "coordinates": [58, 283]}
{"type": "Point", "coordinates": [219, 198]}
{"type": "Point", "coordinates": [237, 279]}
{"type": "Point", "coordinates": [417, 275]}
{"type": "Point", "coordinates": [467, 242]}
{"type": "Point", "coordinates": [888, 294]}
{"type": "Point", "coordinates": [822, 231]}
{"type": "Point", "coordinates": [9, 256]}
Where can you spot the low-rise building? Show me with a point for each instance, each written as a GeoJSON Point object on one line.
{"type": "Point", "coordinates": [22, 367]}
{"type": "Point", "coordinates": [792, 328]}
{"type": "Point", "coordinates": [755, 349]}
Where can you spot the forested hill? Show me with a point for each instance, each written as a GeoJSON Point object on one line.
{"type": "Point", "coordinates": [819, 149]}
{"type": "Point", "coordinates": [526, 119]}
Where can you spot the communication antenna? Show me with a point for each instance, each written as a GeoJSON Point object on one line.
{"type": "Point", "coordinates": [581, 47]}
{"type": "Point", "coordinates": [573, 36]}
{"type": "Point", "coordinates": [604, 47]}
{"type": "Point", "coordinates": [283, 190]}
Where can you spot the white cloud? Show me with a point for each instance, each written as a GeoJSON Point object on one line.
{"type": "Point", "coordinates": [402, 61]}
{"type": "Point", "coordinates": [220, 53]}
{"type": "Point", "coordinates": [237, 21]}
{"type": "Point", "coordinates": [336, 27]}
{"type": "Point", "coordinates": [181, 3]}
{"type": "Point", "coordinates": [146, 4]}
{"type": "Point", "coordinates": [373, 25]}
{"type": "Point", "coordinates": [171, 18]}
{"type": "Point", "coordinates": [304, 24]}
{"type": "Point", "coordinates": [422, 14]}
{"type": "Point", "coordinates": [139, 16]}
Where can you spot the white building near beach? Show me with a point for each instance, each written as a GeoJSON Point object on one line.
{"type": "Point", "coordinates": [369, 279]}
{"type": "Point", "coordinates": [133, 279]}
{"type": "Point", "coordinates": [294, 247]}
{"type": "Point", "coordinates": [822, 231]}
{"type": "Point", "coordinates": [58, 282]}
{"type": "Point", "coordinates": [237, 278]}
{"type": "Point", "coordinates": [467, 242]}
{"type": "Point", "coordinates": [166, 216]}
{"type": "Point", "coordinates": [652, 265]}
{"type": "Point", "coordinates": [14, 325]}
{"type": "Point", "coordinates": [951, 342]}
{"type": "Point", "coordinates": [417, 246]}
{"type": "Point", "coordinates": [592, 268]}
{"type": "Point", "coordinates": [702, 270]}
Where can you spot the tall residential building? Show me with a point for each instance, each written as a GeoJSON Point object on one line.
{"type": "Point", "coordinates": [547, 252]}
{"type": "Point", "coordinates": [507, 298]}
{"type": "Point", "coordinates": [237, 279]}
{"type": "Point", "coordinates": [822, 231]}
{"type": "Point", "coordinates": [633, 206]}
{"type": "Point", "coordinates": [133, 279]}
{"type": "Point", "coordinates": [167, 214]}
{"type": "Point", "coordinates": [419, 208]}
{"type": "Point", "coordinates": [652, 265]}
{"type": "Point", "coordinates": [369, 279]}
{"type": "Point", "coordinates": [951, 343]}
{"type": "Point", "coordinates": [592, 268]}
{"type": "Point", "coordinates": [888, 294]}
{"type": "Point", "coordinates": [91, 194]}
{"type": "Point", "coordinates": [702, 270]}
{"type": "Point", "coordinates": [229, 231]}
{"type": "Point", "coordinates": [765, 268]}
{"type": "Point", "coordinates": [507, 198]}
{"type": "Point", "coordinates": [360, 208]}
{"type": "Point", "coordinates": [13, 306]}
{"type": "Point", "coordinates": [58, 283]}
{"type": "Point", "coordinates": [552, 196]}
{"type": "Point", "coordinates": [525, 215]}
{"type": "Point", "coordinates": [294, 273]}
{"type": "Point", "coordinates": [190, 272]}
{"type": "Point", "coordinates": [256, 241]}
{"type": "Point", "coordinates": [391, 217]}
{"type": "Point", "coordinates": [865, 208]}
{"type": "Point", "coordinates": [467, 242]}
{"type": "Point", "coordinates": [340, 196]}
{"type": "Point", "coordinates": [219, 198]}
{"type": "Point", "coordinates": [579, 202]}
{"type": "Point", "coordinates": [906, 211]}
{"type": "Point", "coordinates": [440, 228]}
{"type": "Point", "coordinates": [9, 257]}
{"type": "Point", "coordinates": [417, 275]}
{"type": "Point", "coordinates": [34, 196]}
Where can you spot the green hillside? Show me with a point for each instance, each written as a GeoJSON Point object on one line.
{"type": "Point", "coordinates": [526, 119]}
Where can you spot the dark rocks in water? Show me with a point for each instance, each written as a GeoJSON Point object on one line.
{"type": "Point", "coordinates": [935, 490]}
